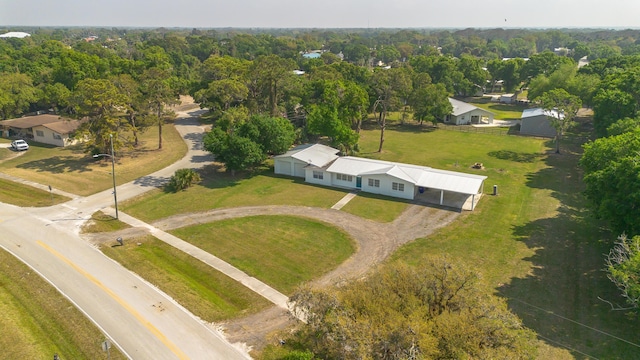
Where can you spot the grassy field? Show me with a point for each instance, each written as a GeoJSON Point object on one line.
{"type": "Point", "coordinates": [27, 196]}
{"type": "Point", "coordinates": [38, 322]}
{"type": "Point", "coordinates": [206, 292]}
{"type": "Point", "coordinates": [535, 242]}
{"type": "Point", "coordinates": [282, 251]}
{"type": "Point", "coordinates": [74, 171]}
{"type": "Point", "coordinates": [219, 190]}
{"type": "Point", "coordinates": [501, 111]}
{"type": "Point", "coordinates": [376, 207]}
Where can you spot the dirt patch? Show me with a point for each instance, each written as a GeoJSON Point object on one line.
{"type": "Point", "coordinates": [186, 103]}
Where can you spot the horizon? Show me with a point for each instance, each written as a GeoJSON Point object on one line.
{"type": "Point", "coordinates": [330, 14]}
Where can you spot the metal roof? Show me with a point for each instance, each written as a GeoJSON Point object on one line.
{"type": "Point", "coordinates": [313, 154]}
{"type": "Point", "coordinates": [418, 175]}
{"type": "Point", "coordinates": [526, 113]}
{"type": "Point", "coordinates": [461, 107]}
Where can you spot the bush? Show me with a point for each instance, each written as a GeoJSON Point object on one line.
{"type": "Point", "coordinates": [182, 179]}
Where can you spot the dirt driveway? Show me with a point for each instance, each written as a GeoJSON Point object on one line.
{"type": "Point", "coordinates": [375, 242]}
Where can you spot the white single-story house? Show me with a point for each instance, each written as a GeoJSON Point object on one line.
{"type": "Point", "coordinates": [46, 129]}
{"type": "Point", "coordinates": [535, 122]}
{"type": "Point", "coordinates": [464, 113]}
{"type": "Point", "coordinates": [508, 98]}
{"type": "Point", "coordinates": [399, 180]}
{"type": "Point", "coordinates": [294, 161]}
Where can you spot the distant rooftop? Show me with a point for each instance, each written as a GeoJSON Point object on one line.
{"type": "Point", "coordinates": [14, 34]}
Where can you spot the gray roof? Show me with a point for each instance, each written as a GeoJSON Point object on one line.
{"type": "Point", "coordinates": [461, 107]}
{"type": "Point", "coordinates": [527, 113]}
{"type": "Point", "coordinates": [418, 175]}
{"type": "Point", "coordinates": [313, 154]}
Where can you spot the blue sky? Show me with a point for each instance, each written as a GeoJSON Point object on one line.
{"type": "Point", "coordinates": [322, 14]}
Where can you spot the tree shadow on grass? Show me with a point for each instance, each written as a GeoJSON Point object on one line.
{"type": "Point", "coordinates": [515, 156]}
{"type": "Point", "coordinates": [58, 164]}
{"type": "Point", "coordinates": [559, 298]}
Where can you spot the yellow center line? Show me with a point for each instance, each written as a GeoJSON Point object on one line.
{"type": "Point", "coordinates": [120, 301]}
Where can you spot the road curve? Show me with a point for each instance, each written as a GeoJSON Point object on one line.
{"type": "Point", "coordinates": [140, 320]}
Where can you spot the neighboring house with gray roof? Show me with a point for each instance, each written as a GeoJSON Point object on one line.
{"type": "Point", "coordinates": [465, 114]}
{"type": "Point", "coordinates": [46, 129]}
{"type": "Point", "coordinates": [405, 181]}
{"type": "Point", "coordinates": [535, 122]}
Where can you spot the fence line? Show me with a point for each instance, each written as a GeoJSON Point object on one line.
{"type": "Point", "coordinates": [480, 129]}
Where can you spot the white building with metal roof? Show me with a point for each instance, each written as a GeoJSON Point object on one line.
{"type": "Point", "coordinates": [406, 181]}
{"type": "Point", "coordinates": [294, 161]}
{"type": "Point", "coordinates": [535, 122]}
{"type": "Point", "coordinates": [464, 113]}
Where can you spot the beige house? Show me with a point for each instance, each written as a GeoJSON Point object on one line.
{"type": "Point", "coordinates": [46, 129]}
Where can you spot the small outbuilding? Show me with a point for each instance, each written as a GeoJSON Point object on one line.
{"type": "Point", "coordinates": [465, 114]}
{"type": "Point", "coordinates": [46, 129]}
{"type": "Point", "coordinates": [508, 98]}
{"type": "Point", "coordinates": [535, 122]}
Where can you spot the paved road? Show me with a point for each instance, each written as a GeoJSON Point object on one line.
{"type": "Point", "coordinates": [143, 322]}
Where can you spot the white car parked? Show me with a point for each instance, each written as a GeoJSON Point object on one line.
{"type": "Point", "coordinates": [19, 145]}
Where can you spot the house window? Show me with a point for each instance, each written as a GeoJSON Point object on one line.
{"type": "Point", "coordinates": [397, 186]}
{"type": "Point", "coordinates": [344, 177]}
{"type": "Point", "coordinates": [40, 133]}
{"type": "Point", "coordinates": [374, 182]}
{"type": "Point", "coordinates": [57, 136]}
{"type": "Point", "coordinates": [318, 175]}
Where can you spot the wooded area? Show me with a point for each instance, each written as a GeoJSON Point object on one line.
{"type": "Point", "coordinates": [264, 94]}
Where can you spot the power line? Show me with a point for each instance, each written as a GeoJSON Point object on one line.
{"type": "Point", "coordinates": [578, 323]}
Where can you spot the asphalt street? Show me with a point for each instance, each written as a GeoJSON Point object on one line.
{"type": "Point", "coordinates": [139, 319]}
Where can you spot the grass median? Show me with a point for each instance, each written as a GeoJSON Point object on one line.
{"type": "Point", "coordinates": [27, 196]}
{"type": "Point", "coordinates": [37, 322]}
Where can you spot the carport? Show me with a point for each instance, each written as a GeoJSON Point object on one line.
{"type": "Point", "coordinates": [451, 189]}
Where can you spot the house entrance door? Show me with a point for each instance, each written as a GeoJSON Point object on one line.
{"type": "Point", "coordinates": [358, 182]}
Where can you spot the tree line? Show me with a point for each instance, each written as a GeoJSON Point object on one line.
{"type": "Point", "coordinates": [122, 80]}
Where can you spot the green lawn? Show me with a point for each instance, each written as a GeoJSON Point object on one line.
{"type": "Point", "coordinates": [535, 242]}
{"type": "Point", "coordinates": [38, 322]}
{"type": "Point", "coordinates": [376, 207]}
{"type": "Point", "coordinates": [27, 196]}
{"type": "Point", "coordinates": [207, 293]}
{"type": "Point", "coordinates": [74, 171]}
{"type": "Point", "coordinates": [282, 251]}
{"type": "Point", "coordinates": [220, 190]}
{"type": "Point", "coordinates": [501, 111]}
